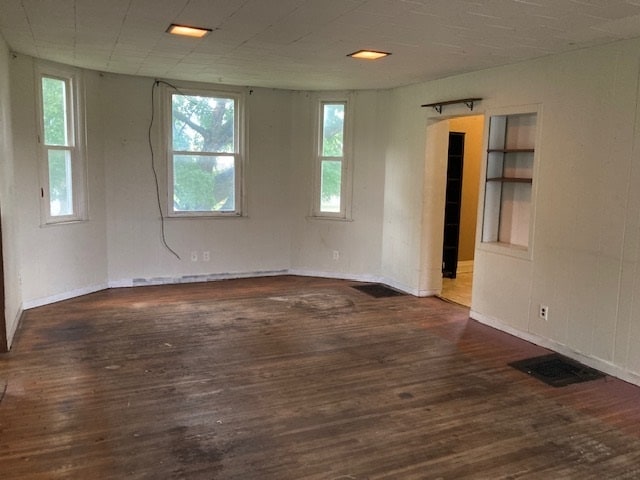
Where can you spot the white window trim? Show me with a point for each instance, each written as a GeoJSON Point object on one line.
{"type": "Point", "coordinates": [77, 131]}
{"type": "Point", "coordinates": [240, 155]}
{"type": "Point", "coordinates": [347, 162]}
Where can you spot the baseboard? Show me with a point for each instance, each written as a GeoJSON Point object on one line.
{"type": "Point", "coordinates": [134, 282]}
{"type": "Point", "coordinates": [39, 302]}
{"type": "Point", "coordinates": [593, 362]}
{"type": "Point", "coordinates": [362, 278]}
{"type": "Point", "coordinates": [212, 277]}
{"type": "Point", "coordinates": [209, 277]}
{"type": "Point", "coordinates": [336, 275]}
{"type": "Point", "coordinates": [14, 327]}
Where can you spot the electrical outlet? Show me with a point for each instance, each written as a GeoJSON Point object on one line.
{"type": "Point", "coordinates": [336, 255]}
{"type": "Point", "coordinates": [194, 256]}
{"type": "Point", "coordinates": [544, 312]}
{"type": "Point", "coordinates": [206, 256]}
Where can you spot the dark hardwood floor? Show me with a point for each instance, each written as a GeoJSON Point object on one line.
{"type": "Point", "coordinates": [294, 378]}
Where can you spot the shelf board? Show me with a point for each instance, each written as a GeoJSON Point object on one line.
{"type": "Point", "coordinates": [437, 106]}
{"type": "Point", "coordinates": [511, 150]}
{"type": "Point", "coordinates": [510, 180]}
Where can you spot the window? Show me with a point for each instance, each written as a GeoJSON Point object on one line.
{"type": "Point", "coordinates": [332, 170]}
{"type": "Point", "coordinates": [61, 137]}
{"type": "Point", "coordinates": [204, 153]}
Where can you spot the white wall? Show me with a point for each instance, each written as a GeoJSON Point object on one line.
{"type": "Point", "coordinates": [404, 203]}
{"type": "Point", "coordinates": [63, 260]}
{"type": "Point", "coordinates": [10, 212]}
{"type": "Point", "coordinates": [122, 244]}
{"type": "Point", "coordinates": [277, 235]}
{"type": "Point", "coordinates": [358, 240]}
{"type": "Point", "coordinates": [255, 244]}
{"type": "Point", "coordinates": [585, 252]}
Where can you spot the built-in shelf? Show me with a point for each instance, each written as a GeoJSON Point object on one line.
{"type": "Point", "coordinates": [437, 106]}
{"type": "Point", "coordinates": [511, 150]}
{"type": "Point", "coordinates": [510, 179]}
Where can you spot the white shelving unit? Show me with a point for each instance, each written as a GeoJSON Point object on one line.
{"type": "Point", "coordinates": [509, 180]}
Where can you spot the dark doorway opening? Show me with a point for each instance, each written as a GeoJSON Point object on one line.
{"type": "Point", "coordinates": [453, 203]}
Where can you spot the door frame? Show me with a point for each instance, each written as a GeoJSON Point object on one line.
{"type": "Point", "coordinates": [437, 136]}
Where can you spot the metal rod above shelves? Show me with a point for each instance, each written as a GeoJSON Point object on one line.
{"type": "Point", "coordinates": [437, 106]}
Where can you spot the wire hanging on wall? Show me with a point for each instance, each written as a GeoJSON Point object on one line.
{"type": "Point", "coordinates": [153, 165]}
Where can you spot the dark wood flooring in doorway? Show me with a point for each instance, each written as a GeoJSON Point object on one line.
{"type": "Point", "coordinates": [294, 378]}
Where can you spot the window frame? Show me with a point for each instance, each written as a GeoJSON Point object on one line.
{"type": "Point", "coordinates": [346, 160]}
{"type": "Point", "coordinates": [239, 154]}
{"type": "Point", "coordinates": [76, 143]}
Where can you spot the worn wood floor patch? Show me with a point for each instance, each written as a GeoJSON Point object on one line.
{"type": "Point", "coordinates": [294, 378]}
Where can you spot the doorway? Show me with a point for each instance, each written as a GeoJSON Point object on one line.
{"type": "Point", "coordinates": [464, 160]}
{"type": "Point", "coordinates": [452, 205]}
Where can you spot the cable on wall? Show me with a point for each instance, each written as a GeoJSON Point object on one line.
{"type": "Point", "coordinates": [153, 165]}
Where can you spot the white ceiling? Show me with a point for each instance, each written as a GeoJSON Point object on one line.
{"type": "Point", "coordinates": [302, 44]}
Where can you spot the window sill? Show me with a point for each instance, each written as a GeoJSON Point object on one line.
{"type": "Point", "coordinates": [64, 222]}
{"type": "Point", "coordinates": [201, 216]}
{"type": "Point", "coordinates": [334, 219]}
{"type": "Point", "coordinates": [510, 249]}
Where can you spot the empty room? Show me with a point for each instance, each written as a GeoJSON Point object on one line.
{"type": "Point", "coordinates": [320, 239]}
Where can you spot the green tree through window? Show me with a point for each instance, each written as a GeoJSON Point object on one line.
{"type": "Point", "coordinates": [332, 156]}
{"type": "Point", "coordinates": [56, 139]}
{"type": "Point", "coordinates": [54, 111]}
{"type": "Point", "coordinates": [204, 148]}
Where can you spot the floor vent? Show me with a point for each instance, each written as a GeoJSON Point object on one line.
{"type": "Point", "coordinates": [378, 290]}
{"type": "Point", "coordinates": [557, 370]}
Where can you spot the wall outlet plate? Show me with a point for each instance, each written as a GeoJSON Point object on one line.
{"type": "Point", "coordinates": [544, 312]}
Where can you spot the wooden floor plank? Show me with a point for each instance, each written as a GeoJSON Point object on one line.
{"type": "Point", "coordinates": [294, 378]}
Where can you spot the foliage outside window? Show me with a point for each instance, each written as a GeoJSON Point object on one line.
{"type": "Point", "coordinates": [204, 154]}
{"type": "Point", "coordinates": [62, 190]}
{"type": "Point", "coordinates": [332, 161]}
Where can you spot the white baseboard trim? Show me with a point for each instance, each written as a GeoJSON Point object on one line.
{"type": "Point", "coordinates": [593, 362]}
{"type": "Point", "coordinates": [465, 266]}
{"type": "Point", "coordinates": [14, 327]}
{"type": "Point", "coordinates": [404, 288]}
{"type": "Point", "coordinates": [39, 302]}
{"type": "Point", "coordinates": [363, 278]}
{"type": "Point", "coordinates": [427, 293]}
{"type": "Point", "coordinates": [336, 275]}
{"type": "Point", "coordinates": [208, 277]}
{"type": "Point", "coordinates": [212, 277]}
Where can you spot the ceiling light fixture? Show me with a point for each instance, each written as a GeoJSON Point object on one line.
{"type": "Point", "coordinates": [196, 32]}
{"type": "Point", "coordinates": [368, 54]}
